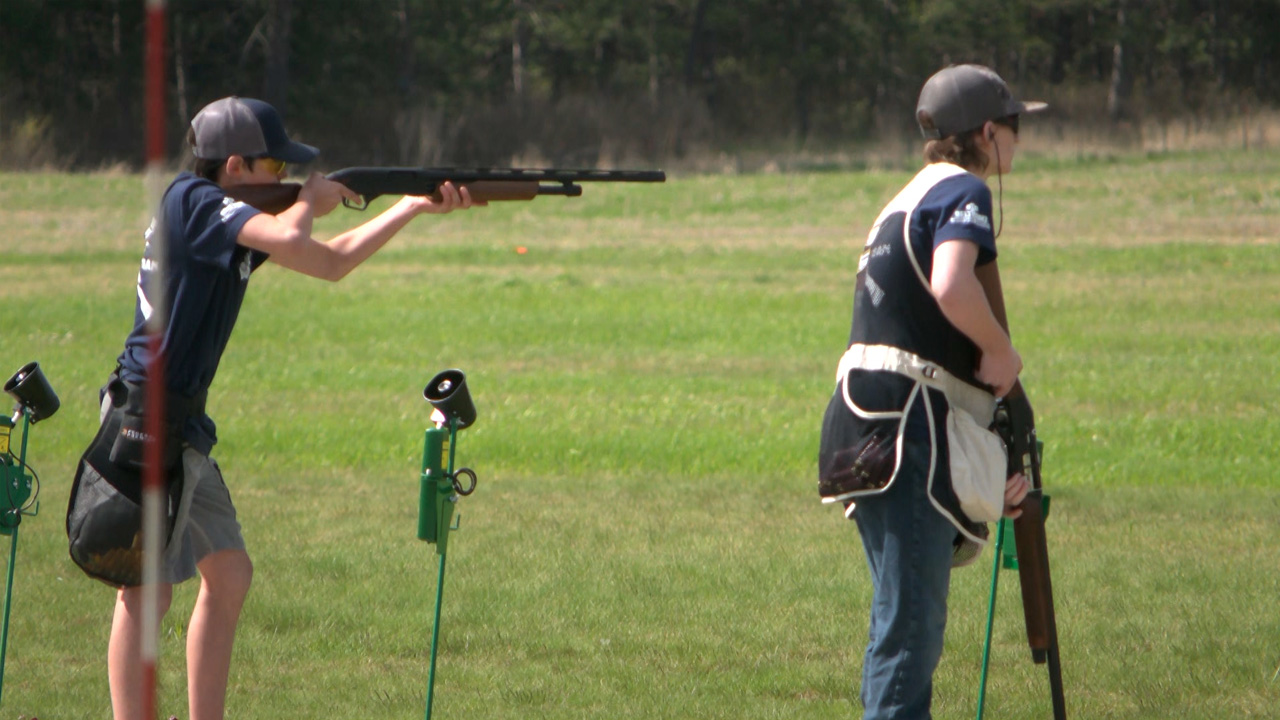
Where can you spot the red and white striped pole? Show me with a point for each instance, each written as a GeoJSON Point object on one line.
{"type": "Point", "coordinates": [153, 480]}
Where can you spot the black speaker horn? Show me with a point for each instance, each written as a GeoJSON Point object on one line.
{"type": "Point", "coordinates": [447, 392]}
{"type": "Point", "coordinates": [31, 389]}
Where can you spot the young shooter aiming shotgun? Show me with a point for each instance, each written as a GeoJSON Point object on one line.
{"type": "Point", "coordinates": [213, 244]}
{"type": "Point", "coordinates": [214, 239]}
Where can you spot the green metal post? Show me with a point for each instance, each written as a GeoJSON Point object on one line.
{"type": "Point", "coordinates": [18, 489]}
{"type": "Point", "coordinates": [435, 638]}
{"type": "Point", "coordinates": [8, 594]}
{"type": "Point", "coordinates": [436, 499]}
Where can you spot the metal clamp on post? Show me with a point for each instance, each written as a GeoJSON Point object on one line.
{"type": "Point", "coordinates": [439, 485]}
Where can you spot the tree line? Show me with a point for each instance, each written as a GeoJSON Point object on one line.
{"type": "Point", "coordinates": [599, 82]}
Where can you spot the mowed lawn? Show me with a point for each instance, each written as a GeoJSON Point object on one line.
{"type": "Point", "coordinates": [645, 540]}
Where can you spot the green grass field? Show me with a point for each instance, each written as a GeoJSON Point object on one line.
{"type": "Point", "coordinates": [645, 540]}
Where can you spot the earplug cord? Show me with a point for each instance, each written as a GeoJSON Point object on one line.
{"type": "Point", "coordinates": [999, 189]}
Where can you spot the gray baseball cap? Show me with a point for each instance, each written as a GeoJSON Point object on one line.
{"type": "Point", "coordinates": [246, 127]}
{"type": "Point", "coordinates": [959, 98]}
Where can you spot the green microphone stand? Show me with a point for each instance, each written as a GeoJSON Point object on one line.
{"type": "Point", "coordinates": [36, 401]}
{"type": "Point", "coordinates": [439, 486]}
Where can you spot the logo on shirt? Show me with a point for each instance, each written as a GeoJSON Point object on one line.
{"type": "Point", "coordinates": [970, 215]}
{"type": "Point", "coordinates": [874, 291]}
{"type": "Point", "coordinates": [230, 208]}
{"type": "Point", "coordinates": [245, 267]}
{"type": "Point", "coordinates": [872, 251]}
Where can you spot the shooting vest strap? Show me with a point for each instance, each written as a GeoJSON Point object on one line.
{"type": "Point", "coordinates": [977, 402]}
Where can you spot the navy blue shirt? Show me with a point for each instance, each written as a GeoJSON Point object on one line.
{"type": "Point", "coordinates": [957, 208]}
{"type": "Point", "coordinates": [893, 303]}
{"type": "Point", "coordinates": [206, 275]}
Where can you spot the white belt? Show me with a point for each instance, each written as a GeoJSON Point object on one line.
{"type": "Point", "coordinates": [978, 402]}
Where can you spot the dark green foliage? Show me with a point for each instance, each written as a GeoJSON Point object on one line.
{"type": "Point", "coordinates": [593, 82]}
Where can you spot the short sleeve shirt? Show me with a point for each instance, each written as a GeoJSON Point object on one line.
{"type": "Point", "coordinates": [204, 281]}
{"type": "Point", "coordinates": [956, 208]}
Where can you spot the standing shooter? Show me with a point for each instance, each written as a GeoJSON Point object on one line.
{"type": "Point", "coordinates": [212, 245]}
{"type": "Point", "coordinates": [906, 445]}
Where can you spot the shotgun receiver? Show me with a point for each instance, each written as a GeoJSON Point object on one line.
{"type": "Point", "coordinates": [484, 184]}
{"type": "Point", "coordinates": [1016, 423]}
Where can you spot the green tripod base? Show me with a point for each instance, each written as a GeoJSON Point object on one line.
{"type": "Point", "coordinates": [436, 500]}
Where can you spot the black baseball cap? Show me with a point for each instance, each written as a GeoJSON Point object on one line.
{"type": "Point", "coordinates": [247, 127]}
{"type": "Point", "coordinates": [959, 98]}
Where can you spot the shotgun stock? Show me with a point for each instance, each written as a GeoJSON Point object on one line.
{"type": "Point", "coordinates": [484, 184]}
{"type": "Point", "coordinates": [1016, 423]}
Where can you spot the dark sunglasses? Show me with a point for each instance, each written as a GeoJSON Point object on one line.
{"type": "Point", "coordinates": [1009, 121]}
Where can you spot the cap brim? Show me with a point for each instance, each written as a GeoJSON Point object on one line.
{"type": "Point", "coordinates": [296, 152]}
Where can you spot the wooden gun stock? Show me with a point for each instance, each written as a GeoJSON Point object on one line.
{"type": "Point", "coordinates": [1033, 572]}
{"type": "Point", "coordinates": [1018, 427]}
{"type": "Point", "coordinates": [1016, 421]}
{"type": "Point", "coordinates": [270, 199]}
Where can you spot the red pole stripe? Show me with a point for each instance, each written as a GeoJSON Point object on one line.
{"type": "Point", "coordinates": [153, 474]}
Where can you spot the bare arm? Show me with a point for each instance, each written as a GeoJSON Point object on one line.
{"type": "Point", "coordinates": [287, 236]}
{"type": "Point", "coordinates": [963, 301]}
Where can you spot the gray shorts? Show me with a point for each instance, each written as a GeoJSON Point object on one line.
{"type": "Point", "coordinates": [206, 521]}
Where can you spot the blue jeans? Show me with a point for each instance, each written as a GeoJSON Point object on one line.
{"type": "Point", "coordinates": [908, 546]}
